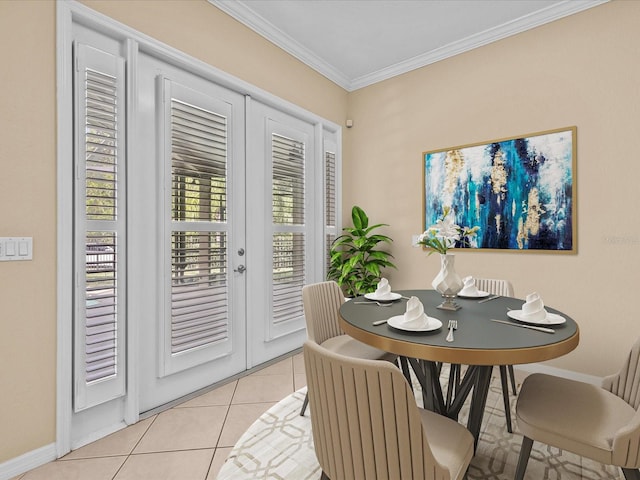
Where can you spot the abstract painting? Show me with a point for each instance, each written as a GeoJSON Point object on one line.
{"type": "Point", "coordinates": [520, 191]}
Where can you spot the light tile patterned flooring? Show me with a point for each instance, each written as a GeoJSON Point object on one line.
{"type": "Point", "coordinates": [187, 442]}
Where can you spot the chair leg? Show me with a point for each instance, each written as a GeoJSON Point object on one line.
{"type": "Point", "coordinates": [404, 366]}
{"type": "Point", "coordinates": [631, 473]}
{"type": "Point", "coordinates": [523, 459]}
{"type": "Point", "coordinates": [505, 397]}
{"type": "Point", "coordinates": [512, 377]}
{"type": "Point", "coordinates": [304, 405]}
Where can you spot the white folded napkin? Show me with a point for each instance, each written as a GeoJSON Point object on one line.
{"type": "Point", "coordinates": [383, 289]}
{"type": "Point", "coordinates": [469, 289]}
{"type": "Point", "coordinates": [533, 308]}
{"type": "Point", "coordinates": [415, 317]}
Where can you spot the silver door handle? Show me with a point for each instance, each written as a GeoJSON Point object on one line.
{"type": "Point", "coordinates": [240, 269]}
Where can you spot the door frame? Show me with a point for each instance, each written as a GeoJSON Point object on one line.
{"type": "Point", "coordinates": [69, 16]}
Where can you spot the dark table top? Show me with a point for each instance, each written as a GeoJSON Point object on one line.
{"type": "Point", "coordinates": [478, 340]}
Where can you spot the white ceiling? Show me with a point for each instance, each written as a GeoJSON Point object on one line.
{"type": "Point", "coordinates": [356, 43]}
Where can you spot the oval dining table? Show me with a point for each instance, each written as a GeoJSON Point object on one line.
{"type": "Point", "coordinates": [479, 342]}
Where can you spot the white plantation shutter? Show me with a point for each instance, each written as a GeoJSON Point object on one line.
{"type": "Point", "coordinates": [99, 228]}
{"type": "Point", "coordinates": [330, 202]}
{"type": "Point", "coordinates": [288, 206]}
{"type": "Point", "coordinates": [198, 291]}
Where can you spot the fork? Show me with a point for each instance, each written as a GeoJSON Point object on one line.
{"type": "Point", "coordinates": [452, 325]}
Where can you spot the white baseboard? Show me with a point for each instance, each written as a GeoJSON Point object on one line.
{"type": "Point", "coordinates": [28, 461]}
{"type": "Point", "coordinates": [558, 372]}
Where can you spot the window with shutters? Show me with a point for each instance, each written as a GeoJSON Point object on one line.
{"type": "Point", "coordinates": [288, 207]}
{"type": "Point", "coordinates": [99, 228]}
{"type": "Point", "coordinates": [198, 312]}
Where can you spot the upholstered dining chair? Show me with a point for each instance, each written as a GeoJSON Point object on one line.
{"type": "Point", "coordinates": [321, 302]}
{"type": "Point", "coordinates": [503, 288]}
{"type": "Point", "coordinates": [600, 423]}
{"type": "Point", "coordinates": [366, 423]}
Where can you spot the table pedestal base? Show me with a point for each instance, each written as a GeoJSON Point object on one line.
{"type": "Point", "coordinates": [476, 379]}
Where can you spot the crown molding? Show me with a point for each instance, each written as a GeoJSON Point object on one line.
{"type": "Point", "coordinates": [522, 24]}
{"type": "Point", "coordinates": [248, 17]}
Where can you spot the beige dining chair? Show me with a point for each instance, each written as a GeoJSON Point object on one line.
{"type": "Point", "coordinates": [321, 302]}
{"type": "Point", "coordinates": [599, 423]}
{"type": "Point", "coordinates": [366, 423]}
{"type": "Point", "coordinates": [503, 288]}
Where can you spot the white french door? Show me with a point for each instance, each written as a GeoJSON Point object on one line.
{"type": "Point", "coordinates": [191, 168]}
{"type": "Point", "coordinates": [283, 215]}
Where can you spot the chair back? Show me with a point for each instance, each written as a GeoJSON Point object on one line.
{"type": "Point", "coordinates": [626, 383]}
{"type": "Point", "coordinates": [365, 420]}
{"type": "Point", "coordinates": [495, 286]}
{"type": "Point", "coordinates": [321, 302]}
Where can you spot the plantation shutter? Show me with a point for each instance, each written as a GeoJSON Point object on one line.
{"type": "Point", "coordinates": [288, 206]}
{"type": "Point", "coordinates": [330, 202]}
{"type": "Point", "coordinates": [198, 293]}
{"type": "Point", "coordinates": [99, 228]}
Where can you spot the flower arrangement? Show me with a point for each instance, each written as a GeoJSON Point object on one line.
{"type": "Point", "coordinates": [445, 234]}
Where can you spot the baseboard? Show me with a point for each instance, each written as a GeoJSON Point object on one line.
{"type": "Point", "coordinates": [28, 461]}
{"type": "Point", "coordinates": [558, 372]}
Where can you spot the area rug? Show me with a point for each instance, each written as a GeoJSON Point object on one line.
{"type": "Point", "coordinates": [279, 445]}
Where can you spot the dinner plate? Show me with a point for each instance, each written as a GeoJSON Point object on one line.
{"type": "Point", "coordinates": [551, 319]}
{"type": "Point", "coordinates": [397, 322]}
{"type": "Point", "coordinates": [481, 294]}
{"type": "Point", "coordinates": [387, 298]}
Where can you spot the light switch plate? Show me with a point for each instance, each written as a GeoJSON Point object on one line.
{"type": "Point", "coordinates": [16, 249]}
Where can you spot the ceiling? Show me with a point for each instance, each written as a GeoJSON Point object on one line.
{"type": "Point", "coordinates": [356, 43]}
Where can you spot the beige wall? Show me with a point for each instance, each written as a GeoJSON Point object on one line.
{"type": "Point", "coordinates": [206, 33]}
{"type": "Point", "coordinates": [583, 70]}
{"type": "Point", "coordinates": [28, 175]}
{"type": "Point", "coordinates": [28, 208]}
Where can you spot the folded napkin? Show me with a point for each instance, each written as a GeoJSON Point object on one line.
{"type": "Point", "coordinates": [533, 308]}
{"type": "Point", "coordinates": [415, 317]}
{"type": "Point", "coordinates": [469, 289]}
{"type": "Point", "coordinates": [384, 289]}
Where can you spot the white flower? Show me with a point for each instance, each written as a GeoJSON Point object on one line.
{"type": "Point", "coordinates": [445, 228]}
{"type": "Point", "coordinates": [444, 234]}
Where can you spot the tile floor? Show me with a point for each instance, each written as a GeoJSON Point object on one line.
{"type": "Point", "coordinates": [187, 442]}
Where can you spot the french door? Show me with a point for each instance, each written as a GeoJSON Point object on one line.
{"type": "Point", "coordinates": [283, 218]}
{"type": "Point", "coordinates": [190, 232]}
{"type": "Point", "coordinates": [235, 232]}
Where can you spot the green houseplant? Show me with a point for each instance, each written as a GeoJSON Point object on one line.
{"type": "Point", "coordinates": [356, 264]}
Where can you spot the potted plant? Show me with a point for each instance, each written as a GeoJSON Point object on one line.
{"type": "Point", "coordinates": [356, 264]}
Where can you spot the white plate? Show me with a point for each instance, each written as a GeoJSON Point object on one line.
{"type": "Point", "coordinates": [481, 294]}
{"type": "Point", "coordinates": [387, 298]}
{"type": "Point", "coordinates": [398, 322]}
{"type": "Point", "coordinates": [552, 318]}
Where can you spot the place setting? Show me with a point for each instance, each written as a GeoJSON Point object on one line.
{"type": "Point", "coordinates": [470, 290]}
{"type": "Point", "coordinates": [533, 315]}
{"type": "Point", "coordinates": [383, 296]}
{"type": "Point", "coordinates": [414, 319]}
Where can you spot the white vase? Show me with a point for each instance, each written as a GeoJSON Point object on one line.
{"type": "Point", "coordinates": [448, 283]}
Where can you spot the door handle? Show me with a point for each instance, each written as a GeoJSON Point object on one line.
{"type": "Point", "coordinates": [240, 269]}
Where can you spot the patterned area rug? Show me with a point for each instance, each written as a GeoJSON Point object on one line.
{"type": "Point", "coordinates": [279, 445]}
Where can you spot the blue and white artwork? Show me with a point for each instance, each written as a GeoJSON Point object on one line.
{"type": "Point", "coordinates": [519, 191]}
